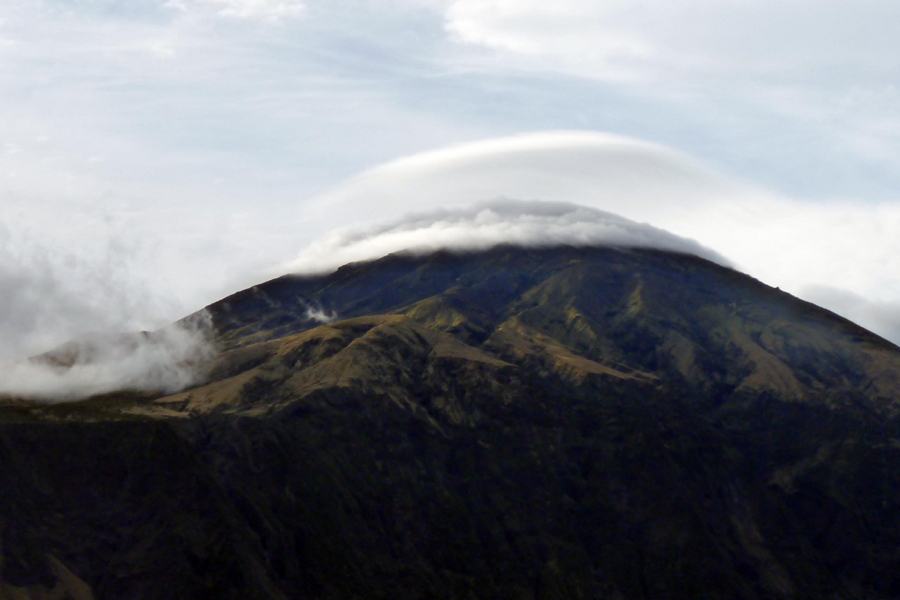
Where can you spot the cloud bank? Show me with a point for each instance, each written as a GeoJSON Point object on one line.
{"type": "Point", "coordinates": [72, 306]}
{"type": "Point", "coordinates": [660, 40]}
{"type": "Point", "coordinates": [794, 244]}
{"type": "Point", "coordinates": [164, 361]}
{"type": "Point", "coordinates": [264, 10]}
{"type": "Point", "coordinates": [487, 224]}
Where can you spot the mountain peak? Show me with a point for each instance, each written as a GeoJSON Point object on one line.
{"type": "Point", "coordinates": [555, 422]}
{"type": "Point", "coordinates": [674, 319]}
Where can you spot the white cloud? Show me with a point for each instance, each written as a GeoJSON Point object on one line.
{"type": "Point", "coordinates": [487, 224]}
{"type": "Point", "coordinates": [320, 315]}
{"type": "Point", "coordinates": [798, 40]}
{"type": "Point", "coordinates": [625, 175]}
{"type": "Point", "coordinates": [806, 87]}
{"type": "Point", "coordinates": [784, 242]}
{"type": "Point", "coordinates": [52, 294]}
{"type": "Point", "coordinates": [264, 10]}
{"type": "Point", "coordinates": [164, 361]}
{"type": "Point", "coordinates": [91, 274]}
{"type": "Point", "coordinates": [575, 36]}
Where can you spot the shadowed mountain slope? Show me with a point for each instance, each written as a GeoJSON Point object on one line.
{"type": "Point", "coordinates": [640, 315]}
{"type": "Point", "coordinates": [512, 423]}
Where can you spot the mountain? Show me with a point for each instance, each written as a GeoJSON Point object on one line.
{"type": "Point", "coordinates": [511, 423]}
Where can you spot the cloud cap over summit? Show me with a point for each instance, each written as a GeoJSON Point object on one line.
{"type": "Point", "coordinates": [486, 224]}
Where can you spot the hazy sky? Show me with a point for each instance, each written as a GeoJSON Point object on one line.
{"type": "Point", "coordinates": [156, 154]}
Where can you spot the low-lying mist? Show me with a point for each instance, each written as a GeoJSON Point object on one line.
{"type": "Point", "coordinates": [71, 317]}
{"type": "Point", "coordinates": [162, 361]}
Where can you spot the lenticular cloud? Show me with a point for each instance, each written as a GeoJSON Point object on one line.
{"type": "Point", "coordinates": [795, 244]}
{"type": "Point", "coordinates": [487, 224]}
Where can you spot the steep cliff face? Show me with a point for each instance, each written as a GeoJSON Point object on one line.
{"type": "Point", "coordinates": [513, 423]}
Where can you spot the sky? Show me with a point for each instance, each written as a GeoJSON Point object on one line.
{"type": "Point", "coordinates": [156, 155]}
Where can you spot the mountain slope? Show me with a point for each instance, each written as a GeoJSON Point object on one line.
{"type": "Point", "coordinates": [639, 315]}
{"type": "Point", "coordinates": [513, 423]}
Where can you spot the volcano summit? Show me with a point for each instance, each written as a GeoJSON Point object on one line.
{"type": "Point", "coordinates": [553, 422]}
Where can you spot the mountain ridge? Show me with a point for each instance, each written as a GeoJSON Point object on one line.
{"type": "Point", "coordinates": [512, 423]}
{"type": "Point", "coordinates": [440, 302]}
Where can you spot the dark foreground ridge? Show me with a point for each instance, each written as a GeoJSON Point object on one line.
{"type": "Point", "coordinates": [537, 424]}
